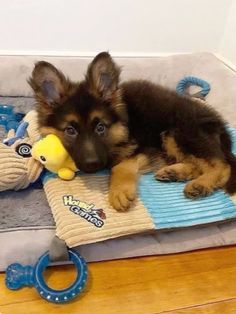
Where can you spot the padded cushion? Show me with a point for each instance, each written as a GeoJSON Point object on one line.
{"type": "Point", "coordinates": [27, 245]}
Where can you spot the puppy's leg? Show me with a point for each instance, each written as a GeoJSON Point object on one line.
{"type": "Point", "coordinates": [170, 147]}
{"type": "Point", "coordinates": [207, 175]}
{"type": "Point", "coordinates": [123, 181]}
{"type": "Point", "coordinates": [215, 175]}
{"type": "Point", "coordinates": [182, 171]}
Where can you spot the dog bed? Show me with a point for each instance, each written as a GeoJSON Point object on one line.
{"type": "Point", "coordinates": [28, 234]}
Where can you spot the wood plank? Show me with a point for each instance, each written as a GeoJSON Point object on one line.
{"type": "Point", "coordinates": [36, 307]}
{"type": "Point", "coordinates": [222, 307]}
{"type": "Point", "coordinates": [141, 285]}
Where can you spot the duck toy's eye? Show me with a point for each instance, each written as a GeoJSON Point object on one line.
{"type": "Point", "coordinates": [42, 158]}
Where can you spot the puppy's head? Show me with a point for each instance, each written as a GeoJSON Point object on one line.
{"type": "Point", "coordinates": [89, 117]}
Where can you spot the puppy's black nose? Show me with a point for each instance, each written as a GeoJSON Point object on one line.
{"type": "Point", "coordinates": [92, 165]}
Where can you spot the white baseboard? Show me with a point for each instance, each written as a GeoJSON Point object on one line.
{"type": "Point", "coordinates": [227, 62]}
{"type": "Point", "coordinates": [89, 54]}
{"type": "Point", "coordinates": [84, 54]}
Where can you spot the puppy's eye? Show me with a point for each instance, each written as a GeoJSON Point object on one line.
{"type": "Point", "coordinates": [69, 130]}
{"type": "Point", "coordinates": [42, 158]}
{"type": "Point", "coordinates": [100, 128]}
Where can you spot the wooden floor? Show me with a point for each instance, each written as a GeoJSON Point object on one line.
{"type": "Point", "coordinates": [198, 282]}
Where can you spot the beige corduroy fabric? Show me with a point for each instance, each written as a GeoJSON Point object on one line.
{"type": "Point", "coordinates": [91, 190]}
{"type": "Point", "coordinates": [12, 168]}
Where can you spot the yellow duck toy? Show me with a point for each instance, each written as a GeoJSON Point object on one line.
{"type": "Point", "coordinates": [52, 154]}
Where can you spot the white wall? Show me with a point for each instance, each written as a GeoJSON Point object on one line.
{"type": "Point", "coordinates": [228, 43]}
{"type": "Point", "coordinates": [125, 27]}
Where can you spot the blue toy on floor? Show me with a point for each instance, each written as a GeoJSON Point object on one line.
{"type": "Point", "coordinates": [18, 276]}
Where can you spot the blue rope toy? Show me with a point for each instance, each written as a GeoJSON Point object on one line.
{"type": "Point", "coordinates": [195, 81]}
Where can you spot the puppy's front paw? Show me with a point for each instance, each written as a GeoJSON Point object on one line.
{"type": "Point", "coordinates": [166, 174]}
{"type": "Point", "coordinates": [121, 197]}
{"type": "Point", "coordinates": [196, 190]}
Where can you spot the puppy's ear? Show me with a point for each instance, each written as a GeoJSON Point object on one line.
{"type": "Point", "coordinates": [103, 76]}
{"type": "Point", "coordinates": [50, 85]}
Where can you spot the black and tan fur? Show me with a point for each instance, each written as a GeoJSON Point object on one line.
{"type": "Point", "coordinates": [132, 127]}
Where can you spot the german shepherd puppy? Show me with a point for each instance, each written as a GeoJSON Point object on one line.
{"type": "Point", "coordinates": [126, 126]}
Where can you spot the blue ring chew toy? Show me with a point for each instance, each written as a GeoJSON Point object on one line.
{"type": "Point", "coordinates": [191, 80]}
{"type": "Point", "coordinates": [18, 276]}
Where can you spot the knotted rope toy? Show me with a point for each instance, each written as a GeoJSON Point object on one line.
{"type": "Point", "coordinates": [193, 81]}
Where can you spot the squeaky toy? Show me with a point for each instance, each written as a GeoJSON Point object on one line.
{"type": "Point", "coordinates": [55, 158]}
